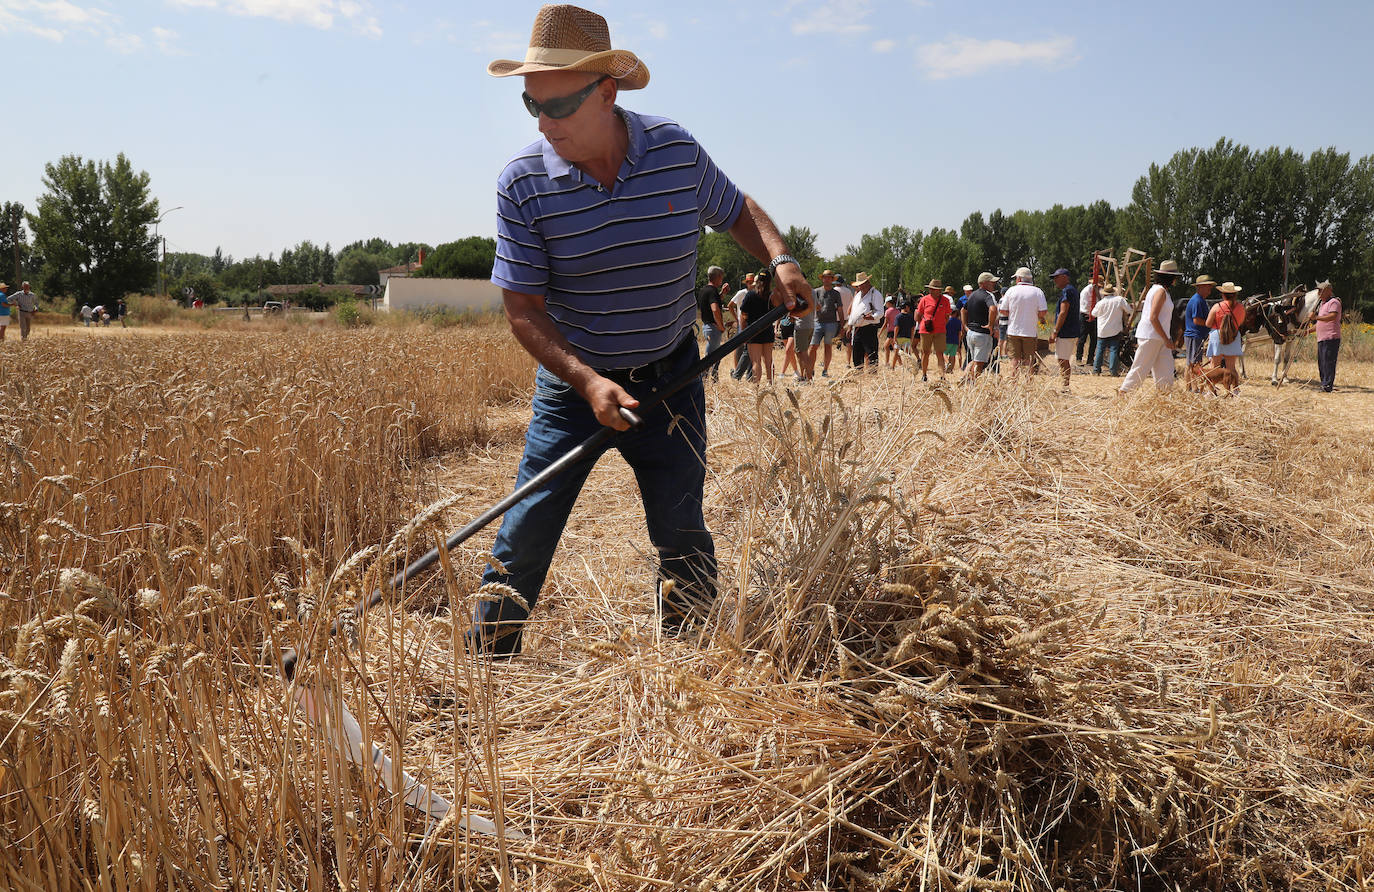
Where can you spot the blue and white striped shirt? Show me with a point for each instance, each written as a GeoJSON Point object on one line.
{"type": "Point", "coordinates": [617, 271]}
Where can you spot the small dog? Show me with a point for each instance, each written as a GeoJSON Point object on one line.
{"type": "Point", "coordinates": [1215, 378]}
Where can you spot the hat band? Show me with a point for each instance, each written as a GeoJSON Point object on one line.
{"type": "Point", "coordinates": [555, 55]}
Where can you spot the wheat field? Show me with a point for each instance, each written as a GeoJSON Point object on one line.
{"type": "Point", "coordinates": [968, 638]}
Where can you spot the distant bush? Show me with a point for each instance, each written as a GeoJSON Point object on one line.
{"type": "Point", "coordinates": [350, 313]}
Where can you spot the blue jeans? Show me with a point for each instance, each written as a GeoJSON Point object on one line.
{"type": "Point", "coordinates": [713, 338]}
{"type": "Point", "coordinates": [1112, 347]}
{"type": "Point", "coordinates": [670, 467]}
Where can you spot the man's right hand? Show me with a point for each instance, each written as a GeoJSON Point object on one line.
{"type": "Point", "coordinates": [606, 399]}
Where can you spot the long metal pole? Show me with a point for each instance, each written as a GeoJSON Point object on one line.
{"type": "Point", "coordinates": [589, 446]}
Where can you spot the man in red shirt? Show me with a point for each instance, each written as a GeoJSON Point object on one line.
{"type": "Point", "coordinates": [932, 312]}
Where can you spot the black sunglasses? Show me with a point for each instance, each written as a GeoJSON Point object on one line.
{"type": "Point", "coordinates": [561, 106]}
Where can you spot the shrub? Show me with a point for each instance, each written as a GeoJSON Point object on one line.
{"type": "Point", "coordinates": [148, 309]}
{"type": "Point", "coordinates": [350, 313]}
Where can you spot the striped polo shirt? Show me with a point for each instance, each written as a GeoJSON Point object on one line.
{"type": "Point", "coordinates": [617, 269]}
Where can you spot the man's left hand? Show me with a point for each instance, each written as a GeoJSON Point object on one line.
{"type": "Point", "coordinates": [793, 286]}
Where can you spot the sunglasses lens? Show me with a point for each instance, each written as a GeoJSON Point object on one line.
{"type": "Point", "coordinates": [530, 105]}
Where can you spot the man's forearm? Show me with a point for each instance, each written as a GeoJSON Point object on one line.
{"type": "Point", "coordinates": [756, 232]}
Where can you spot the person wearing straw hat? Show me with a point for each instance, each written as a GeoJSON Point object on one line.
{"type": "Point", "coordinates": [1154, 352]}
{"type": "Point", "coordinates": [1328, 329]}
{"type": "Point", "coordinates": [1223, 323]}
{"type": "Point", "coordinates": [1195, 330]}
{"type": "Point", "coordinates": [932, 312]}
{"type": "Point", "coordinates": [866, 315]}
{"type": "Point", "coordinates": [829, 306]}
{"type": "Point", "coordinates": [5, 304]}
{"type": "Point", "coordinates": [597, 228]}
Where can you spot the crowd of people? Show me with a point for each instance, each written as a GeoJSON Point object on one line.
{"type": "Point", "coordinates": [988, 326]}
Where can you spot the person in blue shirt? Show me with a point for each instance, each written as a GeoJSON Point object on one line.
{"type": "Point", "coordinates": [1195, 330]}
{"type": "Point", "coordinates": [597, 232]}
{"type": "Point", "coordinates": [1067, 324]}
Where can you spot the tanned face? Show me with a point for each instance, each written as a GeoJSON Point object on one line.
{"type": "Point", "coordinates": [585, 134]}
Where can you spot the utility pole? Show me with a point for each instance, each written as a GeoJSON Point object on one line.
{"type": "Point", "coordinates": [163, 256]}
{"type": "Point", "coordinates": [18, 273]}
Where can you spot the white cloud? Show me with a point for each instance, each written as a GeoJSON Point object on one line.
{"type": "Point", "coordinates": [53, 19]}
{"type": "Point", "coordinates": [965, 56]}
{"type": "Point", "coordinates": [125, 44]}
{"type": "Point", "coordinates": [168, 41]}
{"type": "Point", "coordinates": [658, 30]}
{"type": "Point", "coordinates": [884, 46]}
{"type": "Point", "coordinates": [834, 17]}
{"type": "Point", "coordinates": [313, 13]}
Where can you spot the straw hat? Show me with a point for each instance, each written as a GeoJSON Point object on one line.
{"type": "Point", "coordinates": [859, 280]}
{"type": "Point", "coordinates": [935, 285]}
{"type": "Point", "coordinates": [1204, 280]}
{"type": "Point", "coordinates": [1168, 268]}
{"type": "Point", "coordinates": [569, 38]}
{"type": "Point", "coordinates": [827, 273]}
{"type": "Point", "coordinates": [949, 289]}
{"type": "Point", "coordinates": [1228, 288]}
{"type": "Point", "coordinates": [1109, 289]}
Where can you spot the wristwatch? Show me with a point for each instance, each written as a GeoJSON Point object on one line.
{"type": "Point", "coordinates": [780, 260]}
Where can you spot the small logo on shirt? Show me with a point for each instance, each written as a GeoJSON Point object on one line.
{"type": "Point", "coordinates": [670, 207]}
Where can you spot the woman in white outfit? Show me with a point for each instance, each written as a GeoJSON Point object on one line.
{"type": "Point", "coordinates": [1154, 352]}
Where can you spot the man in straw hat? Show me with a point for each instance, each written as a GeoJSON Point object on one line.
{"type": "Point", "coordinates": [1154, 352]}
{"type": "Point", "coordinates": [1195, 331]}
{"type": "Point", "coordinates": [866, 316]}
{"type": "Point", "coordinates": [932, 312]}
{"type": "Point", "coordinates": [597, 226]}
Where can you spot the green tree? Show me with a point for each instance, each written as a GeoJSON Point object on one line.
{"type": "Point", "coordinates": [357, 266]}
{"type": "Point", "coordinates": [946, 256]}
{"type": "Point", "coordinates": [883, 256]}
{"type": "Point", "coordinates": [307, 264]}
{"type": "Point", "coordinates": [469, 258]}
{"type": "Point", "coordinates": [1001, 242]}
{"type": "Point", "coordinates": [93, 228]}
{"type": "Point", "coordinates": [15, 252]}
{"type": "Point", "coordinates": [719, 249]}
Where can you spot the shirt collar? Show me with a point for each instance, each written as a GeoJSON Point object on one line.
{"type": "Point", "coordinates": [557, 166]}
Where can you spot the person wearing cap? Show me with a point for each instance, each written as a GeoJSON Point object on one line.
{"type": "Point", "coordinates": [829, 304]}
{"type": "Point", "coordinates": [1025, 306]}
{"type": "Point", "coordinates": [865, 318]}
{"type": "Point", "coordinates": [712, 320]}
{"type": "Point", "coordinates": [1109, 315]}
{"type": "Point", "coordinates": [597, 229]}
{"type": "Point", "coordinates": [26, 302]}
{"type": "Point", "coordinates": [979, 316]}
{"type": "Point", "coordinates": [932, 312]}
{"type": "Point", "coordinates": [1195, 328]}
{"type": "Point", "coordinates": [1154, 352]}
{"type": "Point", "coordinates": [1064, 336]}
{"type": "Point", "coordinates": [1328, 329]}
{"type": "Point", "coordinates": [1224, 341]}
{"type": "Point", "coordinates": [1087, 329]}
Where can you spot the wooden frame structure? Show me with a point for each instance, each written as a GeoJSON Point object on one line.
{"type": "Point", "coordinates": [1131, 273]}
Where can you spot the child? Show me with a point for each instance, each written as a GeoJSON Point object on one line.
{"type": "Point", "coordinates": [954, 336]}
{"type": "Point", "coordinates": [905, 325]}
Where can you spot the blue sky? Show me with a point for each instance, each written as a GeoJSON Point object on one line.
{"type": "Point", "coordinates": [273, 121]}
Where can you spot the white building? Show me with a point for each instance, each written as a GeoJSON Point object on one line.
{"type": "Point", "coordinates": [464, 295]}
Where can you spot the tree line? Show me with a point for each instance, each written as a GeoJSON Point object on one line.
{"type": "Point", "coordinates": [1224, 210]}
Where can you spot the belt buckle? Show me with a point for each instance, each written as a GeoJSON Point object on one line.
{"type": "Point", "coordinates": [634, 375]}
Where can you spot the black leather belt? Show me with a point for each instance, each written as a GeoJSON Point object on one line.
{"type": "Point", "coordinates": [654, 371]}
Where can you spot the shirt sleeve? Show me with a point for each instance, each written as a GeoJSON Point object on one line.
{"type": "Point", "coordinates": [719, 200]}
{"type": "Point", "coordinates": [522, 263]}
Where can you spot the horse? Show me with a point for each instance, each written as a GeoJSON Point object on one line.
{"type": "Point", "coordinates": [1284, 320]}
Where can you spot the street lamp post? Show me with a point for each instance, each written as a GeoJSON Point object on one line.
{"type": "Point", "coordinates": [161, 247]}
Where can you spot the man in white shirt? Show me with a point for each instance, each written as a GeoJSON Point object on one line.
{"type": "Point", "coordinates": [1087, 332]}
{"type": "Point", "coordinates": [1111, 313]}
{"type": "Point", "coordinates": [864, 320]}
{"type": "Point", "coordinates": [1025, 307]}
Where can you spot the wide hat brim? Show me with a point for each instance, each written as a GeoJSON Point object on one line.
{"type": "Point", "coordinates": [628, 69]}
